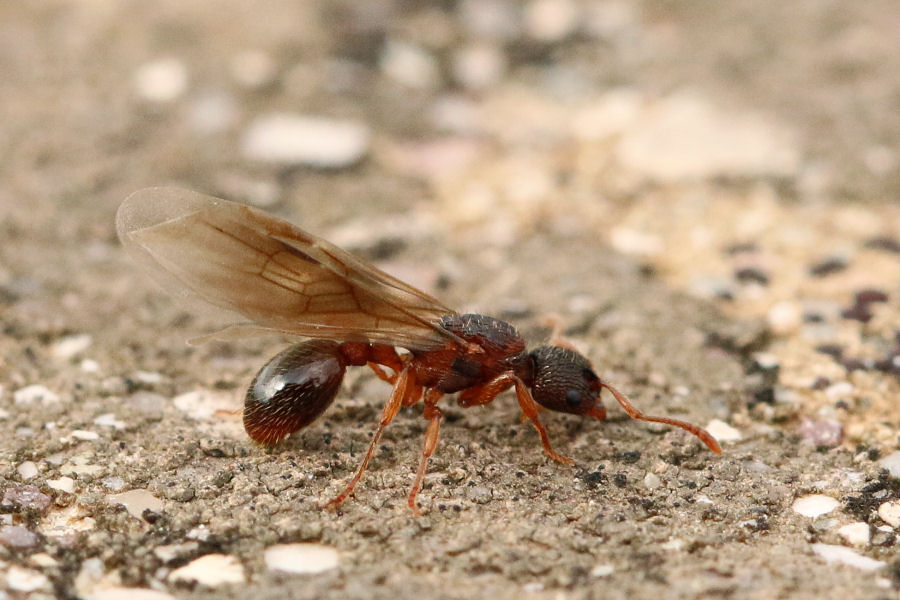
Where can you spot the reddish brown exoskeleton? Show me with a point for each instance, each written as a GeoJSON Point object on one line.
{"type": "Point", "coordinates": [284, 280]}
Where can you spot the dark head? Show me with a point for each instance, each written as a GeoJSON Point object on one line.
{"type": "Point", "coordinates": [564, 381]}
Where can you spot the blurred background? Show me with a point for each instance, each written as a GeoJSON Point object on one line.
{"type": "Point", "coordinates": [647, 170]}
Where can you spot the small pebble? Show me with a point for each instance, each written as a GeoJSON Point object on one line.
{"type": "Point", "coordinates": [81, 434]}
{"type": "Point", "coordinates": [888, 244]}
{"type": "Point", "coordinates": [71, 346]}
{"type": "Point", "coordinates": [632, 241]}
{"type": "Point", "coordinates": [27, 470]}
{"type": "Point", "coordinates": [25, 498]}
{"type": "Point", "coordinates": [604, 570]}
{"type": "Point", "coordinates": [890, 513]}
{"type": "Point", "coordinates": [171, 552]}
{"type": "Point", "coordinates": [211, 570]}
{"type": "Point", "coordinates": [891, 463]}
{"type": "Point", "coordinates": [89, 365]}
{"type": "Point", "coordinates": [294, 139]}
{"type": "Point", "coordinates": [42, 559]}
{"type": "Point", "coordinates": [846, 556]}
{"type": "Point", "coordinates": [814, 505]}
{"type": "Point", "coordinates": [785, 317]}
{"type": "Point", "coordinates": [722, 431]}
{"type": "Point", "coordinates": [551, 20]}
{"type": "Point", "coordinates": [18, 538]}
{"type": "Point", "coordinates": [478, 66]}
{"type": "Point", "coordinates": [828, 267]}
{"type": "Point", "coordinates": [137, 501]}
{"type": "Point", "coordinates": [410, 65]}
{"type": "Point", "coordinates": [19, 579]}
{"type": "Point", "coordinates": [822, 433]}
{"type": "Point", "coordinates": [34, 393]}
{"type": "Point", "coordinates": [652, 481]}
{"type": "Point", "coordinates": [253, 69]}
{"type": "Point", "coordinates": [63, 484]}
{"type": "Point", "coordinates": [301, 558]}
{"type": "Point", "coordinates": [751, 275]}
{"type": "Point", "coordinates": [161, 81]}
{"type": "Point", "coordinates": [109, 420]}
{"type": "Point", "coordinates": [857, 534]}
{"type": "Point", "coordinates": [113, 483]}
{"type": "Point", "coordinates": [840, 390]}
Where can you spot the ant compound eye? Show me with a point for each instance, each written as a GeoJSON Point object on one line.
{"type": "Point", "coordinates": [563, 380]}
{"type": "Point", "coordinates": [292, 390]}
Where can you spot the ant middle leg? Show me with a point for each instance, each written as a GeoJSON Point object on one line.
{"type": "Point", "coordinates": [434, 416]}
{"type": "Point", "coordinates": [405, 389]}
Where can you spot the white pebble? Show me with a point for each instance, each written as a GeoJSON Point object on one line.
{"type": "Point", "coordinates": [162, 80]}
{"type": "Point", "coordinates": [856, 534]}
{"type": "Point", "coordinates": [301, 558]}
{"type": "Point", "coordinates": [891, 462]}
{"type": "Point", "coordinates": [42, 559]}
{"type": "Point", "coordinates": [25, 580]}
{"type": "Point", "coordinates": [71, 346]}
{"type": "Point", "coordinates": [123, 593]}
{"type": "Point", "coordinates": [292, 139]}
{"type": "Point", "coordinates": [204, 404]}
{"type": "Point", "coordinates": [839, 391]}
{"type": "Point", "coordinates": [784, 317]}
{"type": "Point", "coordinates": [137, 501]}
{"type": "Point", "coordinates": [253, 69]}
{"type": "Point", "coordinates": [89, 365]}
{"type": "Point", "coordinates": [722, 431]}
{"type": "Point", "coordinates": [686, 137]}
{"type": "Point", "coordinates": [478, 66]}
{"type": "Point", "coordinates": [211, 570]}
{"type": "Point", "coordinates": [63, 484]}
{"type": "Point", "coordinates": [34, 393]}
{"type": "Point", "coordinates": [652, 481]}
{"type": "Point", "coordinates": [109, 420]}
{"type": "Point", "coordinates": [410, 65]}
{"type": "Point", "coordinates": [846, 556]}
{"type": "Point", "coordinates": [632, 241]}
{"type": "Point", "coordinates": [890, 513]}
{"type": "Point", "coordinates": [602, 570]}
{"type": "Point", "coordinates": [27, 470]}
{"type": "Point", "coordinates": [814, 505]}
{"type": "Point", "coordinates": [81, 434]}
{"type": "Point", "coordinates": [213, 113]}
{"type": "Point", "coordinates": [551, 20]}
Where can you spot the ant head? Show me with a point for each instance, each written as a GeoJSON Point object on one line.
{"type": "Point", "coordinates": [565, 382]}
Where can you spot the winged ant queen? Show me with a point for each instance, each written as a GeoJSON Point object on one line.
{"type": "Point", "coordinates": [284, 280]}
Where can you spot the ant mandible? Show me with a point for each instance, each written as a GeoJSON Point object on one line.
{"type": "Point", "coordinates": [284, 280]}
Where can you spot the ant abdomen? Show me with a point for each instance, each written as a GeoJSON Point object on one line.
{"type": "Point", "coordinates": [292, 390]}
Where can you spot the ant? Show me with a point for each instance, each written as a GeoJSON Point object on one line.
{"type": "Point", "coordinates": [286, 281]}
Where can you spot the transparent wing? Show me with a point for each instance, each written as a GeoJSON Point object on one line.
{"type": "Point", "coordinates": [271, 272]}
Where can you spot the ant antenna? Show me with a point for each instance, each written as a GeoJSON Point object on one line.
{"type": "Point", "coordinates": [634, 413]}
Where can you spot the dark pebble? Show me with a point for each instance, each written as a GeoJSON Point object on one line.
{"type": "Point", "coordinates": [821, 383]}
{"type": "Point", "coordinates": [869, 296]}
{"type": "Point", "coordinates": [858, 312]}
{"type": "Point", "coordinates": [828, 266]}
{"type": "Point", "coordinates": [751, 275]}
{"type": "Point", "coordinates": [832, 350]}
{"type": "Point", "coordinates": [888, 244]}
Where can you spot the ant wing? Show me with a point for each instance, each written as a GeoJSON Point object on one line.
{"type": "Point", "coordinates": [271, 272]}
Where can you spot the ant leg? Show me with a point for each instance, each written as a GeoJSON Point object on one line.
{"type": "Point", "coordinates": [382, 374]}
{"type": "Point", "coordinates": [484, 394]}
{"type": "Point", "coordinates": [434, 416]}
{"type": "Point", "coordinates": [400, 391]}
{"type": "Point", "coordinates": [634, 413]}
{"type": "Point", "coordinates": [558, 326]}
{"type": "Point", "coordinates": [530, 411]}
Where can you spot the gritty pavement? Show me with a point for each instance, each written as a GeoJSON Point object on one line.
{"type": "Point", "coordinates": [704, 194]}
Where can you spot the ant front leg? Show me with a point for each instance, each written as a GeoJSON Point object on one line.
{"type": "Point", "coordinates": [486, 393]}
{"type": "Point", "coordinates": [405, 388]}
